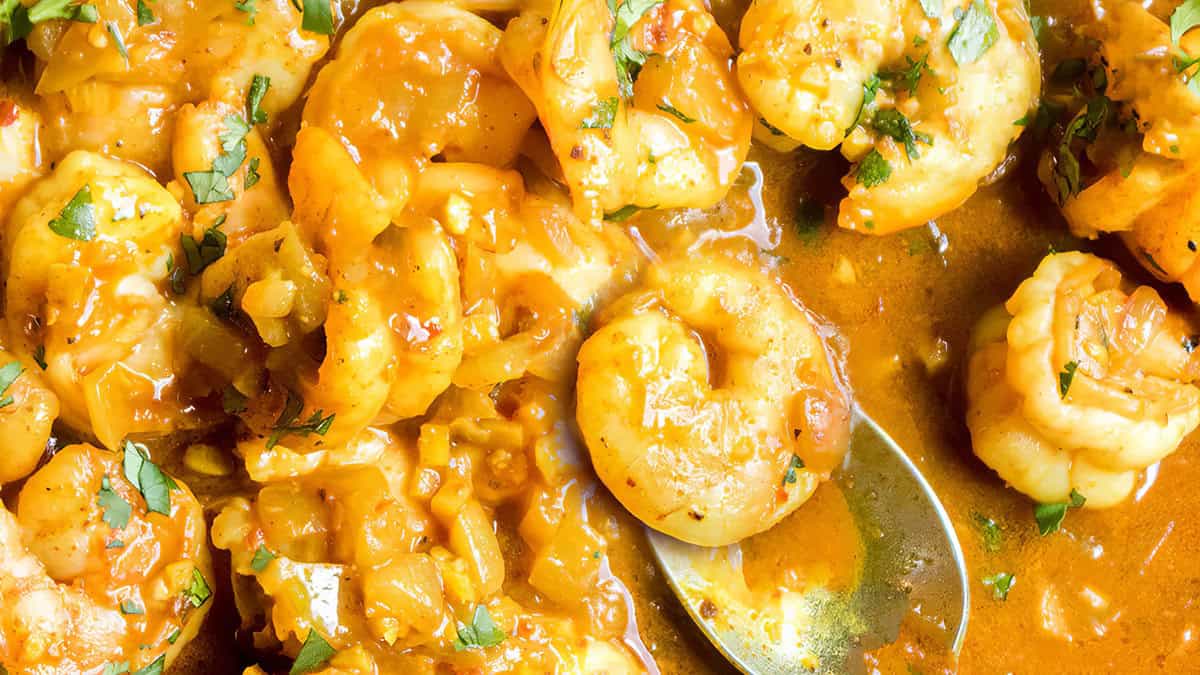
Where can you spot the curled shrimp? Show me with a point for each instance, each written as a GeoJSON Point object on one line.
{"type": "Point", "coordinates": [709, 405]}
{"type": "Point", "coordinates": [641, 109]}
{"type": "Point", "coordinates": [90, 576]}
{"type": "Point", "coordinates": [1143, 191]}
{"type": "Point", "coordinates": [936, 120]}
{"type": "Point", "coordinates": [27, 414]}
{"type": "Point", "coordinates": [1080, 381]}
{"type": "Point", "coordinates": [89, 246]}
{"type": "Point", "coordinates": [415, 80]}
{"type": "Point", "coordinates": [115, 86]}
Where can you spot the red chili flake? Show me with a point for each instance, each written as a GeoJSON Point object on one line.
{"type": "Point", "coordinates": [8, 112]}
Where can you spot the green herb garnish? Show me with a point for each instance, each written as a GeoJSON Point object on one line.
{"type": "Point", "coordinates": [115, 511]}
{"type": "Point", "coordinates": [604, 112]}
{"type": "Point", "coordinates": [262, 558]}
{"type": "Point", "coordinates": [197, 592]}
{"type": "Point", "coordinates": [873, 170]}
{"type": "Point", "coordinates": [1050, 516]}
{"type": "Point", "coordinates": [77, 220]}
{"type": "Point", "coordinates": [1001, 583]}
{"type": "Point", "coordinates": [314, 653]}
{"type": "Point", "coordinates": [480, 634]}
{"type": "Point", "coordinates": [154, 485]}
{"type": "Point", "coordinates": [666, 107]}
{"type": "Point", "coordinates": [1066, 377]}
{"type": "Point", "coordinates": [318, 17]}
{"type": "Point", "coordinates": [9, 374]}
{"type": "Point", "coordinates": [975, 33]}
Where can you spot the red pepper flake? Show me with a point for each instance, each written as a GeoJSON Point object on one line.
{"type": "Point", "coordinates": [8, 112]}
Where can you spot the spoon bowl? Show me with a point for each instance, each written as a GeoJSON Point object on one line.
{"type": "Point", "coordinates": [912, 562]}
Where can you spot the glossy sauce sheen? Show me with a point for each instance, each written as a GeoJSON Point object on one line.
{"type": "Point", "coordinates": [1114, 591]}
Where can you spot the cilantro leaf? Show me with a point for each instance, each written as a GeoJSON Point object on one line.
{"type": "Point", "coordinates": [208, 187]}
{"type": "Point", "coordinates": [252, 176]}
{"type": "Point", "coordinates": [259, 84]}
{"type": "Point", "coordinates": [314, 653]}
{"type": "Point", "coordinates": [198, 592]}
{"type": "Point", "coordinates": [604, 112]}
{"type": "Point", "coordinates": [200, 254]}
{"type": "Point", "coordinates": [1050, 516]}
{"type": "Point", "coordinates": [77, 220]}
{"type": "Point", "coordinates": [39, 356]}
{"type": "Point", "coordinates": [118, 40]}
{"type": "Point", "coordinates": [480, 634]}
{"type": "Point", "coordinates": [145, 16]}
{"type": "Point", "coordinates": [628, 60]}
{"type": "Point", "coordinates": [318, 17]}
{"type": "Point", "coordinates": [1001, 583]}
{"type": "Point", "coordinates": [116, 668]}
{"type": "Point", "coordinates": [625, 212]}
{"type": "Point", "coordinates": [1066, 377]}
{"type": "Point", "coordinates": [45, 10]}
{"type": "Point", "coordinates": [14, 25]}
{"type": "Point", "coordinates": [975, 33]}
{"type": "Point", "coordinates": [908, 78]}
{"type": "Point", "coordinates": [989, 531]}
{"type": "Point", "coordinates": [131, 607]}
{"type": "Point", "coordinates": [790, 475]}
{"type": "Point", "coordinates": [115, 510]}
{"type": "Point", "coordinates": [870, 90]}
{"type": "Point", "coordinates": [149, 480]}
{"type": "Point", "coordinates": [262, 558]}
{"type": "Point", "coordinates": [247, 6]}
{"type": "Point", "coordinates": [233, 401]}
{"type": "Point", "coordinates": [1185, 17]}
{"type": "Point", "coordinates": [286, 423]}
{"type": "Point", "coordinates": [155, 667]}
{"type": "Point", "coordinates": [9, 374]}
{"type": "Point", "coordinates": [894, 124]}
{"type": "Point", "coordinates": [666, 107]}
{"type": "Point", "coordinates": [873, 170]}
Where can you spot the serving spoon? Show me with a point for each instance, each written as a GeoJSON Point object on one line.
{"type": "Point", "coordinates": [911, 561]}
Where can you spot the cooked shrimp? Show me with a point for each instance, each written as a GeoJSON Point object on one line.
{"type": "Point", "coordinates": [940, 122]}
{"type": "Point", "coordinates": [412, 81]}
{"type": "Point", "coordinates": [120, 97]}
{"type": "Point", "coordinates": [1147, 199]}
{"type": "Point", "coordinates": [804, 65]}
{"type": "Point", "coordinates": [641, 109]}
{"type": "Point", "coordinates": [28, 409]}
{"type": "Point", "coordinates": [1079, 382]}
{"type": "Point", "coordinates": [710, 406]}
{"type": "Point", "coordinates": [97, 570]}
{"type": "Point", "coordinates": [88, 296]}
{"type": "Point", "coordinates": [1141, 63]}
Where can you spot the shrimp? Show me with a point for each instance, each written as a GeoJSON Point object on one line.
{"type": "Point", "coordinates": [28, 409]}
{"type": "Point", "coordinates": [416, 80]}
{"type": "Point", "coordinates": [923, 132]}
{"type": "Point", "coordinates": [1079, 382]}
{"type": "Point", "coordinates": [115, 86]}
{"type": "Point", "coordinates": [96, 570]}
{"type": "Point", "coordinates": [89, 248]}
{"type": "Point", "coordinates": [638, 100]}
{"type": "Point", "coordinates": [1147, 200]}
{"type": "Point", "coordinates": [710, 405]}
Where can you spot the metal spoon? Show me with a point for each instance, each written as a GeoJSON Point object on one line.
{"type": "Point", "coordinates": [912, 561]}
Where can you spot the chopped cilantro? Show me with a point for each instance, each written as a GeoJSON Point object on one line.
{"type": "Point", "coordinates": [1001, 583]}
{"type": "Point", "coordinates": [286, 423]}
{"type": "Point", "coordinates": [45, 10]}
{"type": "Point", "coordinates": [1050, 516]}
{"type": "Point", "coordinates": [222, 305]}
{"type": "Point", "coordinates": [1185, 17]}
{"type": "Point", "coordinates": [894, 124]}
{"type": "Point", "coordinates": [873, 170]}
{"type": "Point", "coordinates": [131, 607]}
{"type": "Point", "coordinates": [200, 254]}
{"type": "Point", "coordinates": [115, 543]}
{"type": "Point", "coordinates": [9, 374]}
{"type": "Point", "coordinates": [145, 16]}
{"type": "Point", "coordinates": [173, 637]}
{"type": "Point", "coordinates": [666, 107]}
{"type": "Point", "coordinates": [1068, 70]}
{"type": "Point", "coordinates": [975, 33]}
{"type": "Point", "coordinates": [247, 6]}
{"type": "Point", "coordinates": [149, 480]}
{"type": "Point", "coordinates": [252, 176]}
{"type": "Point", "coordinates": [120, 41]}
{"type": "Point", "coordinates": [870, 90]}
{"type": "Point", "coordinates": [1066, 377]}
{"type": "Point", "coordinates": [1084, 126]}
{"type": "Point", "coordinates": [908, 78]}
{"type": "Point", "coordinates": [115, 511]}
{"type": "Point", "coordinates": [604, 112]}
{"type": "Point", "coordinates": [318, 17]}
{"type": "Point", "coordinates": [39, 356]}
{"type": "Point", "coordinates": [989, 531]}
{"type": "Point", "coordinates": [116, 668]}
{"type": "Point", "coordinates": [233, 401]}
{"type": "Point", "coordinates": [259, 85]}
{"type": "Point", "coordinates": [628, 60]}
{"type": "Point", "coordinates": [625, 212]}
{"type": "Point", "coordinates": [314, 653]}
{"type": "Point", "coordinates": [197, 592]}
{"type": "Point", "coordinates": [481, 633]}
{"type": "Point", "coordinates": [208, 187]}
{"type": "Point", "coordinates": [77, 220]}
{"type": "Point", "coordinates": [795, 463]}
{"type": "Point", "coordinates": [155, 667]}
{"type": "Point", "coordinates": [262, 558]}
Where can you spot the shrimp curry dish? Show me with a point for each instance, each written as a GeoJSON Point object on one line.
{"type": "Point", "coordinates": [386, 337]}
